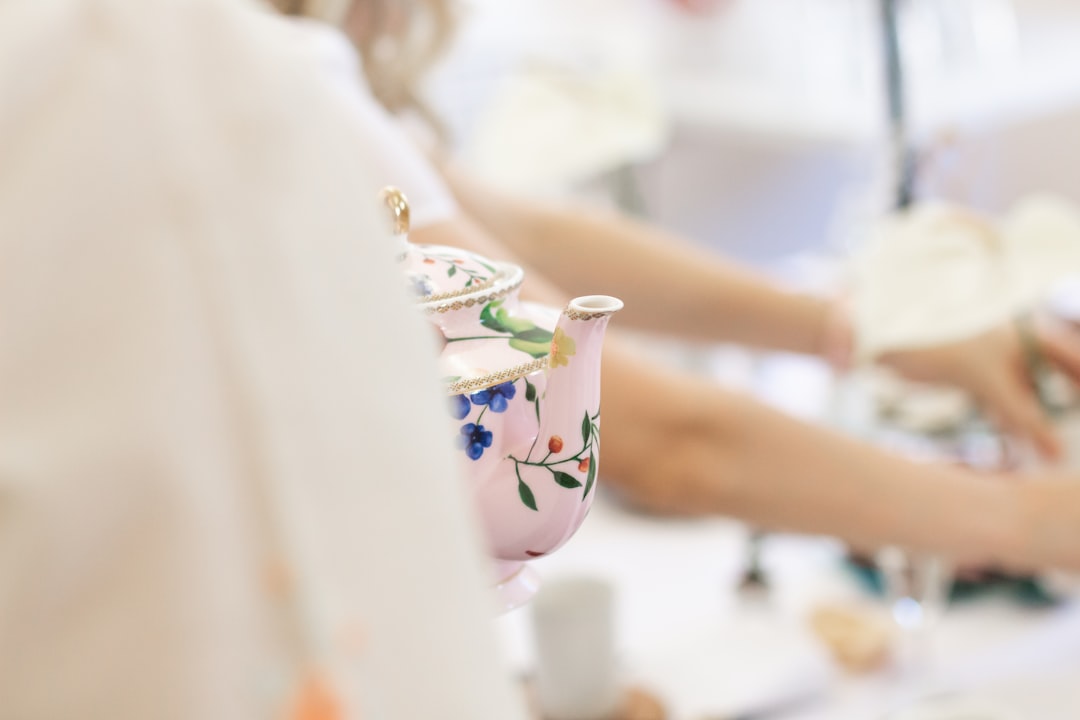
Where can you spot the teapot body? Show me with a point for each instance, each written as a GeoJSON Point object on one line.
{"type": "Point", "coordinates": [530, 457]}
{"type": "Point", "coordinates": [523, 391]}
{"type": "Point", "coordinates": [523, 382]}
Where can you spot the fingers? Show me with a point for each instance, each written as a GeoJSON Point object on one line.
{"type": "Point", "coordinates": [1014, 404]}
{"type": "Point", "coordinates": [1061, 346]}
{"type": "Point", "coordinates": [992, 368]}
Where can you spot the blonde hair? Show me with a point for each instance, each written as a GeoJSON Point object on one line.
{"type": "Point", "coordinates": [397, 40]}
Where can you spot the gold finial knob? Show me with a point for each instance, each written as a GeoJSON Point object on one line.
{"type": "Point", "coordinates": [398, 206]}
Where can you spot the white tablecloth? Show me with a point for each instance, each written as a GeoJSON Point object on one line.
{"type": "Point", "coordinates": [684, 630]}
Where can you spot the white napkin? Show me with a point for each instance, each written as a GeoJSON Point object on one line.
{"type": "Point", "coordinates": [1041, 243]}
{"type": "Point", "coordinates": [926, 278]}
{"type": "Point", "coordinates": [580, 97]}
{"type": "Point", "coordinates": [939, 273]}
{"type": "Point", "coordinates": [554, 126]}
{"type": "Point", "coordinates": [757, 662]}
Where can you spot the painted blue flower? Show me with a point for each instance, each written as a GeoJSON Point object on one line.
{"type": "Point", "coordinates": [460, 406]}
{"type": "Point", "coordinates": [497, 398]}
{"type": "Point", "coordinates": [473, 439]}
{"type": "Point", "coordinates": [421, 284]}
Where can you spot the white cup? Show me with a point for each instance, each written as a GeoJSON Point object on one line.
{"type": "Point", "coordinates": [573, 628]}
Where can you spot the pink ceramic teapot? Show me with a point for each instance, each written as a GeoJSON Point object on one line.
{"type": "Point", "coordinates": [524, 391]}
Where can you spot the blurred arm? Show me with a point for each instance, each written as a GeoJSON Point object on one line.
{"type": "Point", "coordinates": [677, 444]}
{"type": "Point", "coordinates": [668, 285]}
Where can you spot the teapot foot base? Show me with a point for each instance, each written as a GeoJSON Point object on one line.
{"type": "Point", "coordinates": [518, 584]}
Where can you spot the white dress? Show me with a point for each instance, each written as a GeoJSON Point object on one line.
{"type": "Point", "coordinates": [226, 481]}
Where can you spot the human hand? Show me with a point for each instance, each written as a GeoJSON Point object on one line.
{"type": "Point", "coordinates": [994, 369]}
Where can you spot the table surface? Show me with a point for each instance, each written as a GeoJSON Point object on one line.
{"type": "Point", "coordinates": [684, 629]}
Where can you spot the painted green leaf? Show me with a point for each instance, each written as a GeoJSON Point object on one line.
{"type": "Point", "coordinates": [451, 379]}
{"type": "Point", "coordinates": [452, 271]}
{"type": "Point", "coordinates": [495, 317]}
{"type": "Point", "coordinates": [488, 318]}
{"type": "Point", "coordinates": [591, 477]}
{"type": "Point", "coordinates": [566, 479]}
{"type": "Point", "coordinates": [468, 282]}
{"type": "Point", "coordinates": [536, 349]}
{"type": "Point", "coordinates": [518, 326]}
{"type": "Point", "coordinates": [530, 391]}
{"type": "Point", "coordinates": [489, 267]}
{"type": "Point", "coordinates": [526, 495]}
{"type": "Point", "coordinates": [534, 334]}
{"type": "Point", "coordinates": [586, 428]}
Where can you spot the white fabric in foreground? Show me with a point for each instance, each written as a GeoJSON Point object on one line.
{"type": "Point", "coordinates": [225, 479]}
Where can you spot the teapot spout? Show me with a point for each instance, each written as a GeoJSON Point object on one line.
{"type": "Point", "coordinates": [579, 336]}
{"type": "Point", "coordinates": [571, 404]}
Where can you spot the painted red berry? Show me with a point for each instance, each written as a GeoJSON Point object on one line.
{"type": "Point", "coordinates": [583, 466]}
{"type": "Point", "coordinates": [555, 444]}
{"type": "Point", "coordinates": [429, 261]}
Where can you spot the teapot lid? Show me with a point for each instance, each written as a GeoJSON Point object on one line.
{"type": "Point", "coordinates": [436, 273]}
{"type": "Point", "coordinates": [445, 278]}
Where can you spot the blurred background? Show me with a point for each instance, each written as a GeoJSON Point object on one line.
{"type": "Point", "coordinates": [761, 129]}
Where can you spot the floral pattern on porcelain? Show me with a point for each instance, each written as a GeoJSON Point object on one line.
{"type": "Point", "coordinates": [435, 271]}
{"type": "Point", "coordinates": [521, 333]}
{"type": "Point", "coordinates": [523, 386]}
{"type": "Point", "coordinates": [529, 444]}
{"type": "Point", "coordinates": [567, 470]}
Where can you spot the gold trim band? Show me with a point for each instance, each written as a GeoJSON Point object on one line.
{"type": "Point", "coordinates": [576, 315]}
{"type": "Point", "coordinates": [429, 306]}
{"type": "Point", "coordinates": [485, 381]}
{"type": "Point", "coordinates": [480, 287]}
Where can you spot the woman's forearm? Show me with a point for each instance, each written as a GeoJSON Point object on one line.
{"type": "Point", "coordinates": [677, 444]}
{"type": "Point", "coordinates": [668, 285]}
{"type": "Point", "coordinates": [822, 482]}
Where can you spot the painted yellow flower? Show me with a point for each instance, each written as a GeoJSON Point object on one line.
{"type": "Point", "coordinates": [562, 348]}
